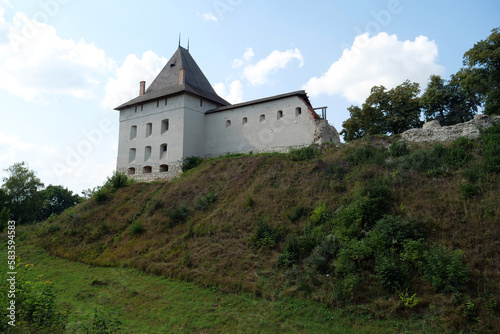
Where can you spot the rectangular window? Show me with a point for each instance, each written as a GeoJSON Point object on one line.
{"type": "Point", "coordinates": [164, 126]}
{"type": "Point", "coordinates": [149, 129]}
{"type": "Point", "coordinates": [133, 132]}
{"type": "Point", "coordinates": [163, 151]}
{"type": "Point", "coordinates": [131, 155]}
{"type": "Point", "coordinates": [147, 153]}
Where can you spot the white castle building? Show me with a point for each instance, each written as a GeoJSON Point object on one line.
{"type": "Point", "coordinates": [180, 115]}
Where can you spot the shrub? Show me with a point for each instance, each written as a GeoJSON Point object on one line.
{"type": "Point", "coordinates": [305, 153]}
{"type": "Point", "coordinates": [265, 235]}
{"type": "Point", "coordinates": [249, 202]}
{"type": "Point", "coordinates": [469, 190]}
{"type": "Point", "coordinates": [290, 253]}
{"type": "Point", "coordinates": [409, 301]}
{"type": "Point", "coordinates": [366, 154]}
{"type": "Point", "coordinates": [191, 162]}
{"type": "Point", "coordinates": [205, 200]}
{"type": "Point", "coordinates": [490, 139]}
{"type": "Point", "coordinates": [118, 180]}
{"type": "Point", "coordinates": [457, 157]}
{"type": "Point", "coordinates": [336, 170]}
{"type": "Point", "coordinates": [296, 213]}
{"type": "Point", "coordinates": [393, 232]}
{"type": "Point", "coordinates": [398, 149]}
{"type": "Point", "coordinates": [424, 161]}
{"type": "Point", "coordinates": [53, 228]}
{"type": "Point", "coordinates": [320, 215]}
{"type": "Point", "coordinates": [388, 273]}
{"type": "Point", "coordinates": [136, 228]}
{"type": "Point", "coordinates": [473, 174]}
{"type": "Point", "coordinates": [321, 257]}
{"type": "Point", "coordinates": [102, 323]}
{"type": "Point", "coordinates": [177, 215]}
{"type": "Point", "coordinates": [444, 269]}
{"type": "Point", "coordinates": [101, 194]}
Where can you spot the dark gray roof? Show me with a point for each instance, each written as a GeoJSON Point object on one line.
{"type": "Point", "coordinates": [300, 93]}
{"type": "Point", "coordinates": [167, 81]}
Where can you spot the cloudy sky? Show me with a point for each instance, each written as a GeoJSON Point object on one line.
{"type": "Point", "coordinates": [65, 64]}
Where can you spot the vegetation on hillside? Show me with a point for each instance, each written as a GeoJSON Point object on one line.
{"type": "Point", "coordinates": [378, 228]}
{"type": "Point", "coordinates": [393, 111]}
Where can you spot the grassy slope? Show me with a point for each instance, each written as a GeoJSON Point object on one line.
{"type": "Point", "coordinates": [152, 304]}
{"type": "Point", "coordinates": [212, 247]}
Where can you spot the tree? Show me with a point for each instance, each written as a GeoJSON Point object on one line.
{"type": "Point", "coordinates": [56, 199]}
{"type": "Point", "coordinates": [22, 191]}
{"type": "Point", "coordinates": [452, 102]}
{"type": "Point", "coordinates": [484, 60]}
{"type": "Point", "coordinates": [384, 112]}
{"type": "Point", "coordinates": [4, 218]}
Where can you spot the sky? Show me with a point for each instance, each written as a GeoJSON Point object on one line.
{"type": "Point", "coordinates": [66, 64]}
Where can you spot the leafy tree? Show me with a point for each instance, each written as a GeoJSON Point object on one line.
{"type": "Point", "coordinates": [56, 199]}
{"type": "Point", "coordinates": [384, 112]}
{"type": "Point", "coordinates": [436, 99]}
{"type": "Point", "coordinates": [484, 60]}
{"type": "Point", "coordinates": [22, 190]}
{"type": "Point", "coordinates": [4, 218]}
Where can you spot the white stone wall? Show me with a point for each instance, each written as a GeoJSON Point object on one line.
{"type": "Point", "coordinates": [272, 134]}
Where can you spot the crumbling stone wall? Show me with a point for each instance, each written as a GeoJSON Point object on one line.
{"type": "Point", "coordinates": [433, 131]}
{"type": "Point", "coordinates": [325, 133]}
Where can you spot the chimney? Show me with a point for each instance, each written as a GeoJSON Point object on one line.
{"type": "Point", "coordinates": [142, 88]}
{"type": "Point", "coordinates": [182, 76]}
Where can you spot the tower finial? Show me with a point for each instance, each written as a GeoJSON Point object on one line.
{"type": "Point", "coordinates": [179, 39]}
{"type": "Point", "coordinates": [188, 44]}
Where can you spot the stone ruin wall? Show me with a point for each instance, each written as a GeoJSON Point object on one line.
{"type": "Point", "coordinates": [433, 131]}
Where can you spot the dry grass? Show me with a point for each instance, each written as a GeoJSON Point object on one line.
{"type": "Point", "coordinates": [211, 247]}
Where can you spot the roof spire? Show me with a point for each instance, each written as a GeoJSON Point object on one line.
{"type": "Point", "coordinates": [179, 39]}
{"type": "Point", "coordinates": [188, 44]}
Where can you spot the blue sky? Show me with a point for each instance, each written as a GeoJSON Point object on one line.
{"type": "Point", "coordinates": [65, 64]}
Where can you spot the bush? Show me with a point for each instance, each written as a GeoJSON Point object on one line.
{"type": "Point", "coordinates": [393, 232]}
{"type": "Point", "coordinates": [469, 190]}
{"type": "Point", "coordinates": [321, 257]}
{"type": "Point", "coordinates": [296, 213]}
{"type": "Point", "coordinates": [305, 153]}
{"type": "Point", "coordinates": [117, 181]}
{"type": "Point", "coordinates": [101, 194]}
{"type": "Point", "coordinates": [136, 228]}
{"type": "Point", "coordinates": [102, 323]}
{"type": "Point", "coordinates": [177, 215]}
{"type": "Point", "coordinates": [191, 162]}
{"type": "Point", "coordinates": [366, 154]}
{"type": "Point", "coordinates": [398, 149]}
{"type": "Point", "coordinates": [290, 254]}
{"type": "Point", "coordinates": [444, 269]}
{"type": "Point", "coordinates": [424, 161]}
{"type": "Point", "coordinates": [490, 139]}
{"type": "Point", "coordinates": [388, 273]}
{"type": "Point", "coordinates": [320, 215]}
{"type": "Point", "coordinates": [205, 200]}
{"type": "Point", "coordinates": [265, 235]}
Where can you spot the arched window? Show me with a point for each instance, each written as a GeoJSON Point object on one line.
{"type": "Point", "coordinates": [147, 153]}
{"type": "Point", "coordinates": [228, 123]}
{"type": "Point", "coordinates": [149, 129]}
{"type": "Point", "coordinates": [262, 118]}
{"type": "Point", "coordinates": [245, 121]}
{"type": "Point", "coordinates": [131, 155]}
{"type": "Point", "coordinates": [146, 169]}
{"type": "Point", "coordinates": [163, 168]}
{"type": "Point", "coordinates": [163, 151]}
{"type": "Point", "coordinates": [131, 171]}
{"type": "Point", "coordinates": [164, 126]}
{"type": "Point", "coordinates": [298, 112]}
{"type": "Point", "coordinates": [279, 114]}
{"type": "Point", "coordinates": [133, 132]}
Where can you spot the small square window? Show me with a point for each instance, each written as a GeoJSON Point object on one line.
{"type": "Point", "coordinates": [262, 118]}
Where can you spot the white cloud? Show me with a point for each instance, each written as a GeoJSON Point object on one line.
{"type": "Point", "coordinates": [126, 84]}
{"type": "Point", "coordinates": [257, 74]}
{"type": "Point", "coordinates": [379, 60]}
{"type": "Point", "coordinates": [235, 94]}
{"type": "Point", "coordinates": [210, 17]}
{"type": "Point", "coordinates": [247, 56]}
{"type": "Point", "coordinates": [36, 63]}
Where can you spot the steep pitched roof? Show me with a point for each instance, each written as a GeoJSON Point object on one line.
{"type": "Point", "coordinates": [167, 81]}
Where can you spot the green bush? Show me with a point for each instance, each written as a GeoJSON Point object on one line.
{"type": "Point", "coordinates": [179, 214]}
{"type": "Point", "coordinates": [388, 273]}
{"type": "Point", "coordinates": [297, 212]}
{"type": "Point", "coordinates": [444, 269]}
{"type": "Point", "coordinates": [322, 255]}
{"type": "Point", "coordinates": [102, 323]}
{"type": "Point", "coordinates": [191, 162]}
{"type": "Point", "coordinates": [457, 157]}
{"type": "Point", "coordinates": [265, 235]}
{"type": "Point", "coordinates": [490, 139]}
{"type": "Point", "coordinates": [205, 200]}
{"type": "Point", "coordinates": [137, 228]}
{"type": "Point", "coordinates": [469, 190]}
{"type": "Point", "coordinates": [320, 215]}
{"type": "Point", "coordinates": [393, 232]}
{"type": "Point", "coordinates": [101, 194]}
{"type": "Point", "coordinates": [473, 174]}
{"type": "Point", "coordinates": [426, 161]}
{"type": "Point", "coordinates": [118, 180]}
{"type": "Point", "coordinates": [305, 153]}
{"type": "Point", "coordinates": [366, 154]}
{"type": "Point", "coordinates": [290, 254]}
{"type": "Point", "coordinates": [336, 170]}
{"type": "Point", "coordinates": [398, 149]}
{"type": "Point", "coordinates": [53, 228]}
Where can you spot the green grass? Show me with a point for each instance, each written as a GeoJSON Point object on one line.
{"type": "Point", "coordinates": [153, 304]}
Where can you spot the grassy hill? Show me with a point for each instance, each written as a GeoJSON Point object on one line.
{"type": "Point", "coordinates": [376, 228]}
